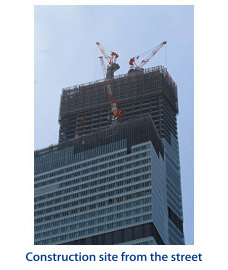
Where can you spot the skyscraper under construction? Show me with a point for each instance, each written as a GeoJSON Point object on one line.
{"type": "Point", "coordinates": [113, 183]}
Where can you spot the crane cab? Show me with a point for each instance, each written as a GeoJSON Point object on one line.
{"type": "Point", "coordinates": [135, 71]}
{"type": "Point", "coordinates": [111, 70]}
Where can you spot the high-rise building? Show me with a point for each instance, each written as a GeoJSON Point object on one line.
{"type": "Point", "coordinates": [116, 183]}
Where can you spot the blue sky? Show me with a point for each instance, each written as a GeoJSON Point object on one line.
{"type": "Point", "coordinates": [66, 55]}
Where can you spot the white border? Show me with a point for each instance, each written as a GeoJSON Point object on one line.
{"type": "Point", "coordinates": [17, 145]}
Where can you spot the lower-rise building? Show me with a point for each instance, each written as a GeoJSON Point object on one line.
{"type": "Point", "coordinates": [107, 187]}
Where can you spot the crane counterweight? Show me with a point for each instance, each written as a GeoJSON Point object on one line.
{"type": "Point", "coordinates": [139, 67]}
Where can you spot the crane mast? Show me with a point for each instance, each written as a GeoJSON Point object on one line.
{"type": "Point", "coordinates": [117, 113]}
{"type": "Point", "coordinates": [79, 127]}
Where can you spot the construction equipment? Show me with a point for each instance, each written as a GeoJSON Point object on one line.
{"type": "Point", "coordinates": [135, 67]}
{"type": "Point", "coordinates": [112, 66]}
{"type": "Point", "coordinates": [79, 127]}
{"type": "Point", "coordinates": [117, 113]}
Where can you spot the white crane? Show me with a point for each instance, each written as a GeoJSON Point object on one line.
{"type": "Point", "coordinates": [112, 66]}
{"type": "Point", "coordinates": [117, 113]}
{"type": "Point", "coordinates": [134, 66]}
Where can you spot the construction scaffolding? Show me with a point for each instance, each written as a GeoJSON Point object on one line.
{"type": "Point", "coordinates": [125, 87]}
{"type": "Point", "coordinates": [137, 93]}
{"type": "Point", "coordinates": [134, 131]}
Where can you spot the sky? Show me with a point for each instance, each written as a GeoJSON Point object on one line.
{"type": "Point", "coordinates": [65, 54]}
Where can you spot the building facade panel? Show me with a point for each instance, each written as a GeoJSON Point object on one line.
{"type": "Point", "coordinates": [111, 193]}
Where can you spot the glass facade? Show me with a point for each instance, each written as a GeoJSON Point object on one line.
{"type": "Point", "coordinates": [107, 193]}
{"type": "Point", "coordinates": [112, 193]}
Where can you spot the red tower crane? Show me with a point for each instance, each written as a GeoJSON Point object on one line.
{"type": "Point", "coordinates": [111, 59]}
{"type": "Point", "coordinates": [117, 113]}
{"type": "Point", "coordinates": [79, 127]}
{"type": "Point", "coordinates": [134, 66]}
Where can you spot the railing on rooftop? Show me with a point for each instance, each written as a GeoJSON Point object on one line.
{"type": "Point", "coordinates": [145, 71]}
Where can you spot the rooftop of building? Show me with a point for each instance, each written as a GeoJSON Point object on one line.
{"type": "Point", "coordinates": [136, 130]}
{"type": "Point", "coordinates": [126, 87]}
